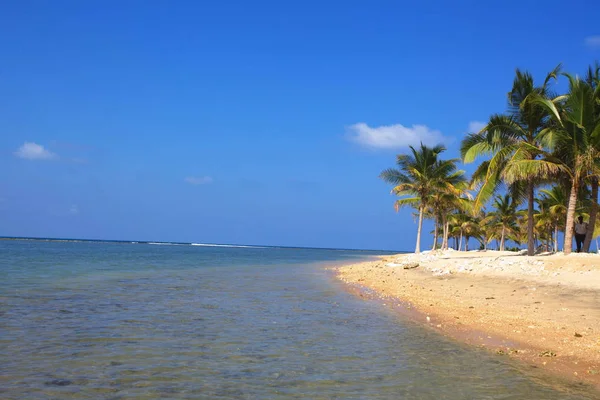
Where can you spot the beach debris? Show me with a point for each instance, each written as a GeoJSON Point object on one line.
{"type": "Point", "coordinates": [578, 334]}
{"type": "Point", "coordinates": [440, 271]}
{"type": "Point", "coordinates": [393, 265]}
{"type": "Point", "coordinates": [490, 298]}
{"type": "Point", "coordinates": [593, 372]}
{"type": "Point", "coordinates": [428, 319]}
{"type": "Point", "coordinates": [465, 268]}
{"type": "Point", "coordinates": [547, 353]}
{"type": "Point", "coordinates": [500, 352]}
{"type": "Point", "coordinates": [410, 265]}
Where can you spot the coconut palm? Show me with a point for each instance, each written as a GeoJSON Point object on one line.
{"type": "Point", "coordinates": [503, 218]}
{"type": "Point", "coordinates": [420, 174]}
{"type": "Point", "coordinates": [593, 79]}
{"type": "Point", "coordinates": [509, 137]}
{"type": "Point", "coordinates": [573, 138]}
{"type": "Point", "coordinates": [553, 206]}
{"type": "Point", "coordinates": [544, 225]}
{"type": "Point", "coordinates": [485, 232]}
{"type": "Point", "coordinates": [467, 227]}
{"type": "Point", "coordinates": [440, 205]}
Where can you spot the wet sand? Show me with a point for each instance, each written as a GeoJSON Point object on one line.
{"type": "Point", "coordinates": [542, 310]}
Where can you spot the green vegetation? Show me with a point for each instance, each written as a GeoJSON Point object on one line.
{"type": "Point", "coordinates": [543, 152]}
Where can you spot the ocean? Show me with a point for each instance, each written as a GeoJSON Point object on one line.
{"type": "Point", "coordinates": [93, 320]}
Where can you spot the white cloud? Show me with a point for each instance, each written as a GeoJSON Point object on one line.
{"type": "Point", "coordinates": [593, 42]}
{"type": "Point", "coordinates": [476, 126]}
{"type": "Point", "coordinates": [74, 210]}
{"type": "Point", "coordinates": [199, 180]}
{"type": "Point", "coordinates": [394, 136]}
{"type": "Point", "coordinates": [34, 151]}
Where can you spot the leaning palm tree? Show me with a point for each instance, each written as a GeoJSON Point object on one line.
{"type": "Point", "coordinates": [420, 174]}
{"type": "Point", "coordinates": [572, 137]}
{"type": "Point", "coordinates": [509, 136]}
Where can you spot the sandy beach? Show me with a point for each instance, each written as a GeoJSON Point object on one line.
{"type": "Point", "coordinates": [542, 310]}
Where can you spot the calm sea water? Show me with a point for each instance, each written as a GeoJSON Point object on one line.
{"type": "Point", "coordinates": [139, 321]}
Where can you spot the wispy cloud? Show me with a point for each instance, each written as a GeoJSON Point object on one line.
{"type": "Point", "coordinates": [393, 136]}
{"type": "Point", "coordinates": [34, 151]}
{"type": "Point", "coordinates": [476, 126]}
{"type": "Point", "coordinates": [593, 42]}
{"type": "Point", "coordinates": [199, 180]}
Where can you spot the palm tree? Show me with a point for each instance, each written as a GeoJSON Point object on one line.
{"type": "Point", "coordinates": [509, 137]}
{"type": "Point", "coordinates": [544, 225]}
{"type": "Point", "coordinates": [593, 79]}
{"type": "Point", "coordinates": [573, 138]}
{"type": "Point", "coordinates": [440, 204]}
{"type": "Point", "coordinates": [554, 204]}
{"type": "Point", "coordinates": [503, 218]}
{"type": "Point", "coordinates": [420, 174]}
{"type": "Point", "coordinates": [465, 220]}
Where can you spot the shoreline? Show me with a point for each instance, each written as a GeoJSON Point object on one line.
{"type": "Point", "coordinates": [542, 311]}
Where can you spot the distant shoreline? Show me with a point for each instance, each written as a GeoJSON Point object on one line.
{"type": "Point", "coordinates": [543, 311]}
{"type": "Point", "coordinates": [158, 242]}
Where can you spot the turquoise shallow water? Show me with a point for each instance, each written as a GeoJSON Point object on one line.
{"type": "Point", "coordinates": [138, 321]}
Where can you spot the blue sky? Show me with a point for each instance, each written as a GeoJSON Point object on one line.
{"type": "Point", "coordinates": [263, 122]}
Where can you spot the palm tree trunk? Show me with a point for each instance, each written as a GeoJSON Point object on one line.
{"type": "Point", "coordinates": [568, 246]}
{"type": "Point", "coordinates": [555, 238]}
{"type": "Point", "coordinates": [435, 233]}
{"type": "Point", "coordinates": [467, 243]}
{"type": "Point", "coordinates": [445, 233]}
{"type": "Point", "coordinates": [593, 215]}
{"type": "Point", "coordinates": [418, 245]}
{"type": "Point", "coordinates": [502, 240]}
{"type": "Point", "coordinates": [530, 201]}
{"type": "Point", "coordinates": [460, 241]}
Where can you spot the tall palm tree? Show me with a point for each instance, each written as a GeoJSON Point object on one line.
{"type": "Point", "coordinates": [509, 137]}
{"type": "Point", "coordinates": [572, 137]}
{"type": "Point", "coordinates": [503, 218]}
{"type": "Point", "coordinates": [420, 174]}
{"type": "Point", "coordinates": [593, 79]}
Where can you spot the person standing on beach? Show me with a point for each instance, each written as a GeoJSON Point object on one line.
{"type": "Point", "coordinates": [580, 231]}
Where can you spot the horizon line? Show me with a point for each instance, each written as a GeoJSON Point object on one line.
{"type": "Point", "coordinates": [57, 239]}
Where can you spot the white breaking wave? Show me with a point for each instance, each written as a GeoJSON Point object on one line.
{"type": "Point", "coordinates": [227, 245]}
